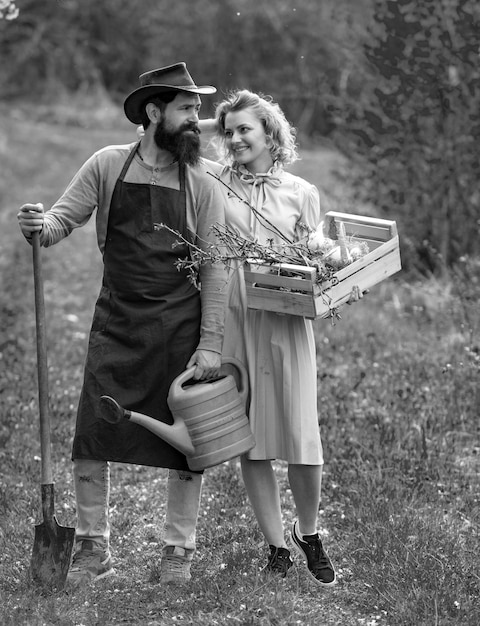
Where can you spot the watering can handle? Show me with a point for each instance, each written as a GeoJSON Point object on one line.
{"type": "Point", "coordinates": [188, 375]}
{"type": "Point", "coordinates": [183, 378]}
{"type": "Point", "coordinates": [243, 390]}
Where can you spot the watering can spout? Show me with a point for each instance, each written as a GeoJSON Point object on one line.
{"type": "Point", "coordinates": [175, 434]}
{"type": "Point", "coordinates": [210, 425]}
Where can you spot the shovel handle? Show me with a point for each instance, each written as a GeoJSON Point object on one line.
{"type": "Point", "coordinates": [42, 367]}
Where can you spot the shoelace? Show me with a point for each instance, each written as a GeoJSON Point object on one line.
{"type": "Point", "coordinates": [175, 563]}
{"type": "Point", "coordinates": [320, 559]}
{"type": "Point", "coordinates": [82, 557]}
{"type": "Point", "coordinates": [279, 562]}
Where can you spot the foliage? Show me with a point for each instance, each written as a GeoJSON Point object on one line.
{"type": "Point", "coordinates": [8, 10]}
{"type": "Point", "coordinates": [398, 403]}
{"type": "Point", "coordinates": [415, 127]}
{"type": "Point", "coordinates": [394, 84]}
{"type": "Point", "coordinates": [291, 52]}
{"type": "Point", "coordinates": [43, 59]}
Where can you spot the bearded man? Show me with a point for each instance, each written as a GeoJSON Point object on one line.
{"type": "Point", "coordinates": [150, 321]}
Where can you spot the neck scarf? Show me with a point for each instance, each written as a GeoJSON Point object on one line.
{"type": "Point", "coordinates": [272, 177]}
{"type": "Point", "coordinates": [258, 191]}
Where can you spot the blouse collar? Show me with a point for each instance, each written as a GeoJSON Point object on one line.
{"type": "Point", "coordinates": [272, 176]}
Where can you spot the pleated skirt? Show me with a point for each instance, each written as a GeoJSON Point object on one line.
{"type": "Point", "coordinates": [279, 354]}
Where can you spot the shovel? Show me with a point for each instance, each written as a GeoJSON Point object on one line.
{"type": "Point", "coordinates": [53, 544]}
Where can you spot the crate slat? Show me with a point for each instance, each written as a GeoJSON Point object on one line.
{"type": "Point", "coordinates": [289, 303]}
{"type": "Point", "coordinates": [304, 280]}
{"type": "Point", "coordinates": [372, 230]}
{"type": "Point", "coordinates": [350, 220]}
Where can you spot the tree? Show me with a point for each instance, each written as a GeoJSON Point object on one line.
{"type": "Point", "coordinates": [291, 51]}
{"type": "Point", "coordinates": [72, 45]}
{"type": "Point", "coordinates": [415, 128]}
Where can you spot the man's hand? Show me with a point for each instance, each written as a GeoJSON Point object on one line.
{"type": "Point", "coordinates": [208, 126]}
{"type": "Point", "coordinates": [30, 218]}
{"type": "Point", "coordinates": [207, 364]}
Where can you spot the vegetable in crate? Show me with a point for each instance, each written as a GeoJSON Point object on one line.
{"type": "Point", "coordinates": [336, 252]}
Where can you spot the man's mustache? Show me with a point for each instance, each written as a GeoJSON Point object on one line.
{"type": "Point", "coordinates": [192, 127]}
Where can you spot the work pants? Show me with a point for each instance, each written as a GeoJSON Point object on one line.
{"type": "Point", "coordinates": [92, 491]}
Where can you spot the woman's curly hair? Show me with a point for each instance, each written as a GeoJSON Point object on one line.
{"type": "Point", "coordinates": [282, 134]}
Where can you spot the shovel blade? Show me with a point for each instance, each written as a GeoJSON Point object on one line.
{"type": "Point", "coordinates": [51, 554]}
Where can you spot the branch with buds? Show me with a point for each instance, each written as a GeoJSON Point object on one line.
{"type": "Point", "coordinates": [312, 250]}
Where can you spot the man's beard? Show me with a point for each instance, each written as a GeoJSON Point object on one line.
{"type": "Point", "coordinates": [185, 147]}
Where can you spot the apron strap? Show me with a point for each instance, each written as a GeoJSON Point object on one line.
{"type": "Point", "coordinates": [181, 176]}
{"type": "Point", "coordinates": [128, 161]}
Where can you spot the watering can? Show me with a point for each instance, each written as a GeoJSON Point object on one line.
{"type": "Point", "coordinates": [210, 425]}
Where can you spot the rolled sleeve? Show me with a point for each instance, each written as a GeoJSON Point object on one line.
{"type": "Point", "coordinates": [210, 210]}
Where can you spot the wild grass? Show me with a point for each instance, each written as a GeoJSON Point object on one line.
{"type": "Point", "coordinates": [399, 399]}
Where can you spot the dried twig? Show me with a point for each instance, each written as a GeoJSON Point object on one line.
{"type": "Point", "coordinates": [232, 247]}
{"type": "Point", "coordinates": [261, 218]}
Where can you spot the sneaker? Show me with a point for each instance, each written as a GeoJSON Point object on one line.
{"type": "Point", "coordinates": [279, 561]}
{"type": "Point", "coordinates": [175, 565]}
{"type": "Point", "coordinates": [319, 565]}
{"type": "Point", "coordinates": [89, 564]}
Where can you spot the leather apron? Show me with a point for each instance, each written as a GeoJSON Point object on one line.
{"type": "Point", "coordinates": [145, 327]}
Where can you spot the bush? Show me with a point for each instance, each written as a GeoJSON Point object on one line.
{"type": "Point", "coordinates": [414, 127]}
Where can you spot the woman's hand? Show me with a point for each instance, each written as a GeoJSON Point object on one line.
{"type": "Point", "coordinates": [208, 126]}
{"type": "Point", "coordinates": [356, 294]}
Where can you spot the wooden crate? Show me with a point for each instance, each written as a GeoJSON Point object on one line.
{"type": "Point", "coordinates": [298, 292]}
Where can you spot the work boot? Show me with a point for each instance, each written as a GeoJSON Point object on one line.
{"type": "Point", "coordinates": [90, 563]}
{"type": "Point", "coordinates": [175, 565]}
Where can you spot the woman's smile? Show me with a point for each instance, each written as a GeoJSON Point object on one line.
{"type": "Point", "coordinates": [237, 150]}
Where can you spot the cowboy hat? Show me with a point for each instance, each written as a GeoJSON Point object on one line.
{"type": "Point", "coordinates": [172, 78]}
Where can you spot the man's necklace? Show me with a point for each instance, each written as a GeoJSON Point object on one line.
{"type": "Point", "coordinates": [156, 168]}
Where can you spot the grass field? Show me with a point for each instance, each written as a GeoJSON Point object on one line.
{"type": "Point", "coordinates": [399, 400]}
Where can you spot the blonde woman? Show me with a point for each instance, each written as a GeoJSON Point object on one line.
{"type": "Point", "coordinates": [278, 350]}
